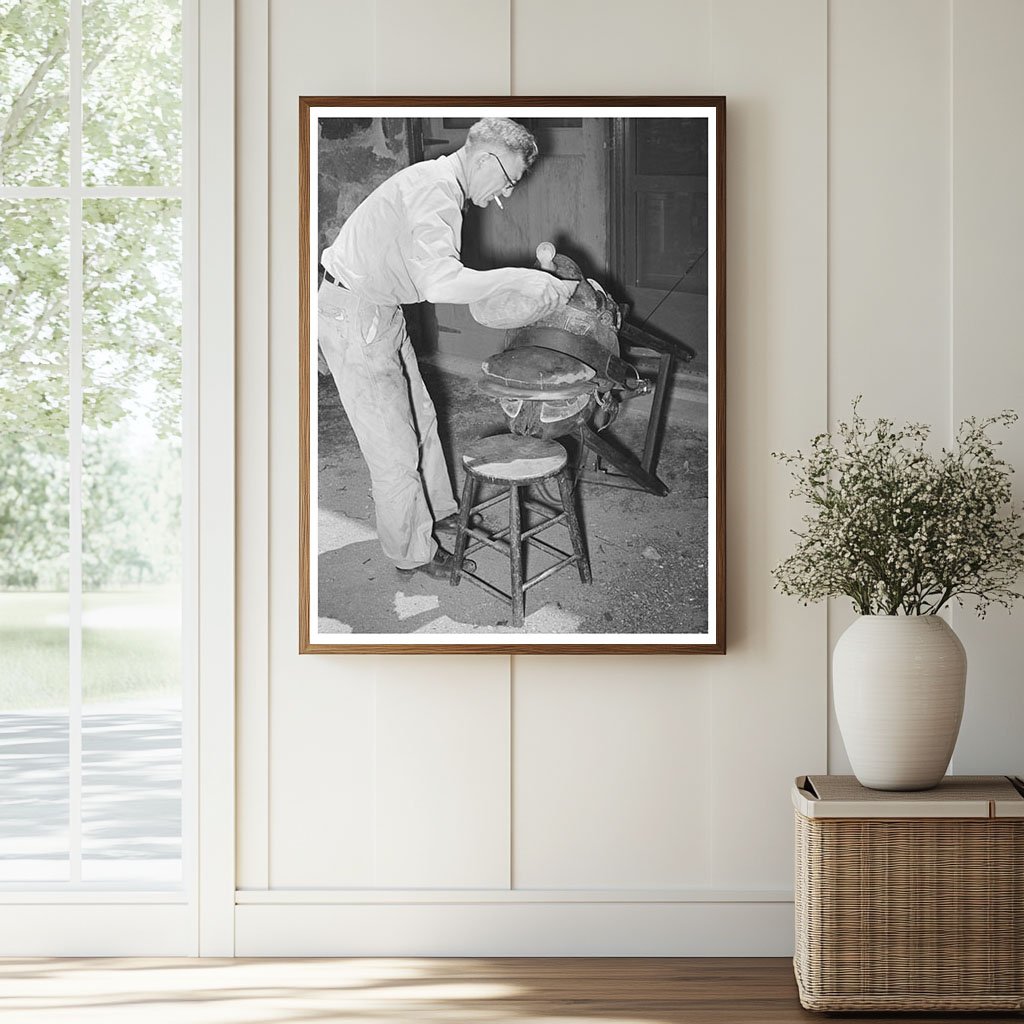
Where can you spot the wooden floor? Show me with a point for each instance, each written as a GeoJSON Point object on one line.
{"type": "Point", "coordinates": [412, 991]}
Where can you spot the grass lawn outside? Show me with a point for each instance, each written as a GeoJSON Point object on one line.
{"type": "Point", "coordinates": [131, 647]}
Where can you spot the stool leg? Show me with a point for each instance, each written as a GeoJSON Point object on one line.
{"type": "Point", "coordinates": [569, 508]}
{"type": "Point", "coordinates": [515, 554]}
{"type": "Point", "coordinates": [465, 509]}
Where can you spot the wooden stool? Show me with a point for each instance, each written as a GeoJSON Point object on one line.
{"type": "Point", "coordinates": [516, 462]}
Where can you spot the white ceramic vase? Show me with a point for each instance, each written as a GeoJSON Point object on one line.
{"type": "Point", "coordinates": [898, 684]}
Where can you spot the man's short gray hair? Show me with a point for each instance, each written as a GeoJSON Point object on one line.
{"type": "Point", "coordinates": [500, 131]}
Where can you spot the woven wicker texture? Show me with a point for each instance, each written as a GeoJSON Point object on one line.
{"type": "Point", "coordinates": [912, 914]}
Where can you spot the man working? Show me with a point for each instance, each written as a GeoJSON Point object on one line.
{"type": "Point", "coordinates": [401, 245]}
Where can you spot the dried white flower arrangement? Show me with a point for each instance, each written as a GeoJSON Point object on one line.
{"type": "Point", "coordinates": [899, 530]}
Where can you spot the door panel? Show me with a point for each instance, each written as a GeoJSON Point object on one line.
{"type": "Point", "coordinates": [660, 257]}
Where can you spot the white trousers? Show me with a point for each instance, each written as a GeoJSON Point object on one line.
{"type": "Point", "coordinates": [374, 367]}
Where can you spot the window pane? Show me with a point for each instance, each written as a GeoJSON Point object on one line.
{"type": "Point", "coordinates": [33, 540]}
{"type": "Point", "coordinates": [131, 541]}
{"type": "Point", "coordinates": [131, 92]}
{"type": "Point", "coordinates": [33, 92]}
{"type": "Point", "coordinates": [131, 744]}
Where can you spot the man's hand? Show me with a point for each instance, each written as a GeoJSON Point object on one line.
{"type": "Point", "coordinates": [547, 292]}
{"type": "Point", "coordinates": [525, 297]}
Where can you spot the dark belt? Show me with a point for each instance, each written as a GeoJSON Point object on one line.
{"type": "Point", "coordinates": [331, 279]}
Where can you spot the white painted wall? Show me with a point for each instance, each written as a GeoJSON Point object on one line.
{"type": "Point", "coordinates": [544, 805]}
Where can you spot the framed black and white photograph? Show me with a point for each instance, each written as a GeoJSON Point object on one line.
{"type": "Point", "coordinates": [512, 376]}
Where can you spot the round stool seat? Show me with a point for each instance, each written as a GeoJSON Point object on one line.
{"type": "Point", "coordinates": [509, 458]}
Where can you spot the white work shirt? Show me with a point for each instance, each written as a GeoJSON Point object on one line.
{"type": "Point", "coordinates": [402, 244]}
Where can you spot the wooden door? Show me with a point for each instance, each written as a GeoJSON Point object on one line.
{"type": "Point", "coordinates": [659, 184]}
{"type": "Point", "coordinates": [561, 200]}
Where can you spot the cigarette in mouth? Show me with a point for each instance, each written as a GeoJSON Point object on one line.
{"type": "Point", "coordinates": [497, 199]}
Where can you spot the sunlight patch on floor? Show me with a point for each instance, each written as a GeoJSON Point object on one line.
{"type": "Point", "coordinates": [188, 991]}
{"type": "Point", "coordinates": [337, 531]}
{"type": "Point", "coordinates": [415, 604]}
{"type": "Point", "coordinates": [325, 627]}
{"type": "Point", "coordinates": [547, 619]}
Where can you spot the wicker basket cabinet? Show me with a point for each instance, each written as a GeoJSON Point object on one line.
{"type": "Point", "coordinates": [910, 901]}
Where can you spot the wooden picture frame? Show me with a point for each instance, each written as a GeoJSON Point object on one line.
{"type": "Point", "coordinates": [633, 190]}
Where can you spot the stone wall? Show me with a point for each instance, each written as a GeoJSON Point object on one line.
{"type": "Point", "coordinates": [355, 156]}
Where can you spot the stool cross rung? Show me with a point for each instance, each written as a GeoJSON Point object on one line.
{"type": "Point", "coordinates": [537, 506]}
{"type": "Point", "coordinates": [489, 587]}
{"type": "Point", "coordinates": [482, 539]}
{"type": "Point", "coordinates": [533, 531]}
{"type": "Point", "coordinates": [550, 570]}
{"type": "Point", "coordinates": [498, 542]}
{"type": "Point", "coordinates": [504, 460]}
{"type": "Point", "coordinates": [533, 540]}
{"type": "Point", "coordinates": [489, 502]}
{"type": "Point", "coordinates": [540, 527]}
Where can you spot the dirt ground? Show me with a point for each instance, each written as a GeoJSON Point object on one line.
{"type": "Point", "coordinates": [648, 554]}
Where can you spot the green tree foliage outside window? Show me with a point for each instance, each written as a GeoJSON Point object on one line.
{"type": "Point", "coordinates": [131, 308]}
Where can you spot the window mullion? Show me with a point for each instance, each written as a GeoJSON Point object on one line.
{"type": "Point", "coordinates": [75, 334]}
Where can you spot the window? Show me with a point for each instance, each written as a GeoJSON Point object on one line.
{"type": "Point", "coordinates": [95, 455]}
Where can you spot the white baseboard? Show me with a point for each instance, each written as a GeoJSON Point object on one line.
{"type": "Point", "coordinates": [514, 928]}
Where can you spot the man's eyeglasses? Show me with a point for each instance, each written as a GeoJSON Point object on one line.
{"type": "Point", "coordinates": [511, 184]}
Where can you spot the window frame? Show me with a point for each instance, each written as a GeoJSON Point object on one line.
{"type": "Point", "coordinates": [115, 918]}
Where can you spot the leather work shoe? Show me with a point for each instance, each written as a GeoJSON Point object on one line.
{"type": "Point", "coordinates": [449, 526]}
{"type": "Point", "coordinates": [440, 566]}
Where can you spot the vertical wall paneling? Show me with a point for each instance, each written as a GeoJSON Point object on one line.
{"type": "Point", "coordinates": [442, 777]}
{"type": "Point", "coordinates": [769, 692]}
{"type": "Point", "coordinates": [320, 708]}
{"type": "Point", "coordinates": [442, 799]}
{"type": "Point", "coordinates": [606, 778]}
{"type": "Point", "coordinates": [607, 48]}
{"type": "Point", "coordinates": [252, 463]}
{"type": "Point", "coordinates": [988, 327]}
{"type": "Point", "coordinates": [442, 48]}
{"type": "Point", "coordinates": [611, 755]}
{"type": "Point", "coordinates": [612, 775]}
{"type": "Point", "coordinates": [323, 761]}
{"type": "Point", "coordinates": [888, 223]}
{"type": "Point", "coordinates": [325, 730]}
